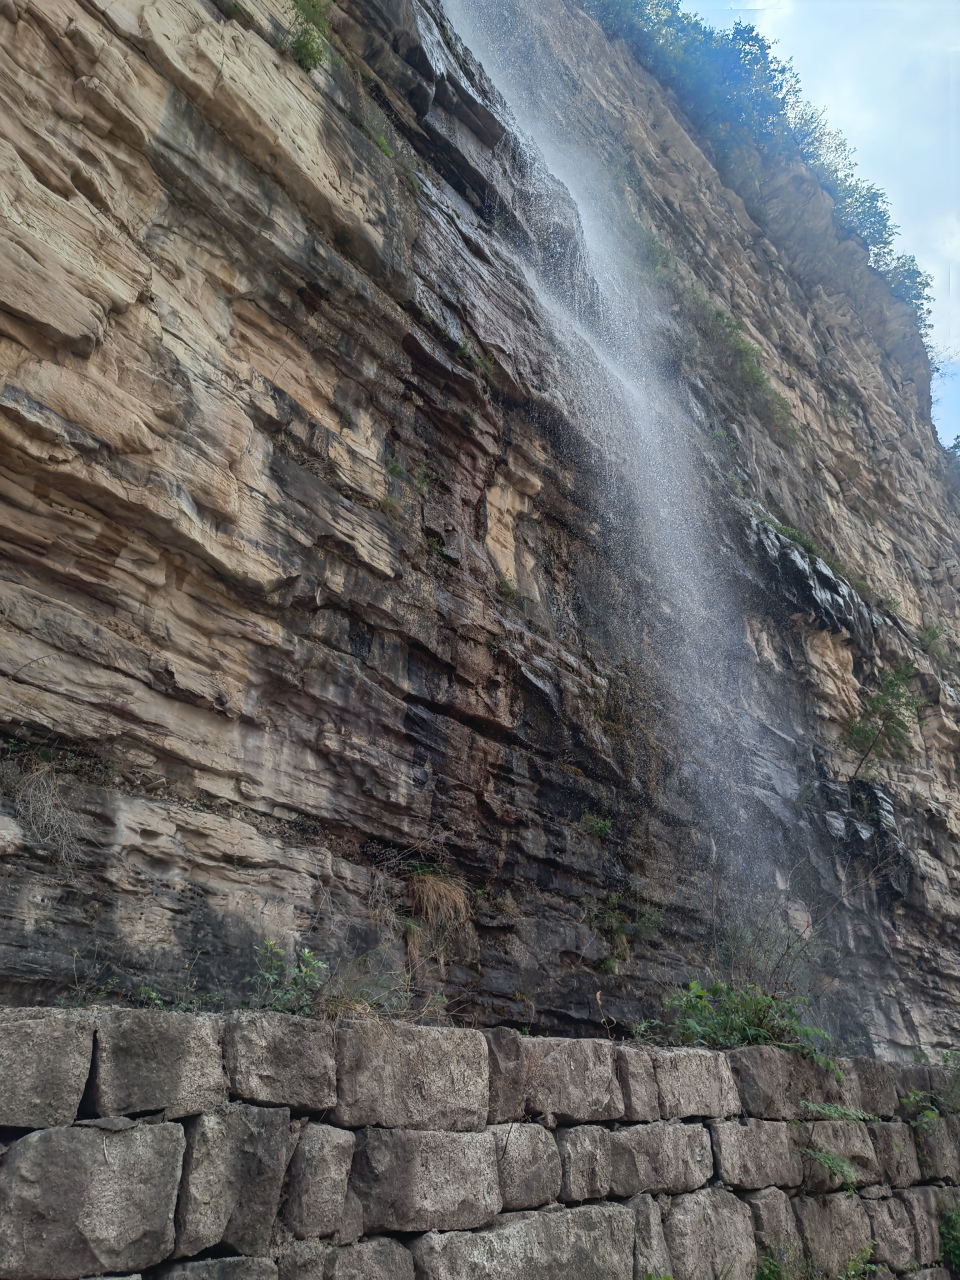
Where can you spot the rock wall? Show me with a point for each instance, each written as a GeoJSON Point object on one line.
{"type": "Point", "coordinates": [309, 588]}
{"type": "Point", "coordinates": [262, 1145]}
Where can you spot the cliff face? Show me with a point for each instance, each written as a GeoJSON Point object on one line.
{"type": "Point", "coordinates": [310, 585]}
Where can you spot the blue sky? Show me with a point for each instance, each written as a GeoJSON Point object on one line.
{"type": "Point", "coordinates": [888, 73]}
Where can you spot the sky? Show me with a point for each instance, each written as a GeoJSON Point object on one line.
{"type": "Point", "coordinates": [888, 73]}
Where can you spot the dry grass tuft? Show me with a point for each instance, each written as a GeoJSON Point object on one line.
{"type": "Point", "coordinates": [440, 898]}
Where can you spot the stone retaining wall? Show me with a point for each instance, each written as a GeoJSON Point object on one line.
{"type": "Point", "coordinates": [259, 1146]}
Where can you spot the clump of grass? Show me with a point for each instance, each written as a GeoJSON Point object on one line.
{"type": "Point", "coordinates": [836, 1111]}
{"type": "Point", "coordinates": [440, 897]}
{"type": "Point", "coordinates": [595, 825]}
{"type": "Point", "coordinates": [41, 805]}
{"type": "Point", "coordinates": [507, 590]}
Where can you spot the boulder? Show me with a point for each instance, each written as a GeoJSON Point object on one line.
{"type": "Point", "coordinates": [772, 1083]}
{"type": "Point", "coordinates": [87, 1200]}
{"type": "Point", "coordinates": [413, 1180]}
{"type": "Point", "coordinates": [371, 1260]}
{"type": "Point", "coordinates": [847, 1139]}
{"type": "Point", "coordinates": [528, 1164]}
{"type": "Point", "coordinates": [585, 1157]}
{"type": "Point", "coordinates": [892, 1231]}
{"type": "Point", "coordinates": [399, 1076]}
{"type": "Point", "coordinates": [660, 1157]}
{"type": "Point", "coordinates": [833, 1229]}
{"type": "Point", "coordinates": [148, 1060]}
{"type": "Point", "coordinates": [924, 1205]}
{"type": "Point", "coordinates": [638, 1084]}
{"type": "Point", "coordinates": [709, 1236]}
{"type": "Point", "coordinates": [233, 1172]}
{"type": "Point", "coordinates": [317, 1181]}
{"type": "Point", "coordinates": [896, 1152]}
{"type": "Point", "coordinates": [280, 1060]}
{"type": "Point", "coordinates": [774, 1226]}
{"type": "Point", "coordinates": [694, 1082]}
{"type": "Point", "coordinates": [752, 1154]}
{"type": "Point", "coordinates": [594, 1242]}
{"type": "Point", "coordinates": [650, 1256]}
{"type": "Point", "coordinates": [219, 1269]}
{"type": "Point", "coordinates": [565, 1081]}
{"type": "Point", "coordinates": [44, 1064]}
{"type": "Point", "coordinates": [938, 1149]}
{"type": "Point", "coordinates": [878, 1086]}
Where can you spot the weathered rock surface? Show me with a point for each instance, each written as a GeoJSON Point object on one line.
{"type": "Point", "coordinates": [833, 1229]}
{"type": "Point", "coordinates": [694, 1082]}
{"type": "Point", "coordinates": [317, 1182]}
{"type": "Point", "coordinates": [638, 1084]}
{"type": "Point", "coordinates": [528, 1166]}
{"type": "Point", "coordinates": [585, 1158]}
{"type": "Point", "coordinates": [280, 1060]}
{"type": "Point", "coordinates": [233, 1172]}
{"type": "Point", "coordinates": [149, 1060]}
{"type": "Point", "coordinates": [411, 1180]}
{"type": "Point", "coordinates": [44, 1064]}
{"type": "Point", "coordinates": [756, 1154]}
{"type": "Point", "coordinates": [896, 1151]}
{"type": "Point", "coordinates": [774, 1085]}
{"type": "Point", "coordinates": [81, 1201]}
{"type": "Point", "coordinates": [650, 1256]}
{"type": "Point", "coordinates": [774, 1225]}
{"type": "Point", "coordinates": [593, 1242]}
{"type": "Point", "coordinates": [399, 1076]}
{"type": "Point", "coordinates": [709, 1236]}
{"type": "Point", "coordinates": [565, 1081]}
{"type": "Point", "coordinates": [659, 1157]}
{"type": "Point", "coordinates": [844, 1138]}
{"type": "Point", "coordinates": [221, 1269]}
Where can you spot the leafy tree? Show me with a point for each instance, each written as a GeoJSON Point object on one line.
{"type": "Point", "coordinates": [883, 726]}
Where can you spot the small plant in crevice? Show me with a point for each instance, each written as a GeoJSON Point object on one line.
{"type": "Point", "coordinates": [507, 590]}
{"type": "Point", "coordinates": [950, 1238]}
{"type": "Point", "coordinates": [384, 146]}
{"type": "Point", "coordinates": [390, 506]}
{"type": "Point", "coordinates": [394, 468]}
{"type": "Point", "coordinates": [836, 1111]}
{"type": "Point", "coordinates": [309, 33]}
{"type": "Point", "coordinates": [424, 478]}
{"type": "Point", "coordinates": [929, 641]}
{"type": "Point", "coordinates": [883, 727]}
{"type": "Point", "coordinates": [595, 825]}
{"type": "Point", "coordinates": [837, 1166]}
{"type": "Point", "coordinates": [435, 547]}
{"type": "Point", "coordinates": [284, 987]}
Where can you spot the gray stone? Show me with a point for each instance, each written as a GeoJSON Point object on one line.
{"type": "Point", "coordinates": [755, 1153]}
{"type": "Point", "coordinates": [833, 1229]}
{"type": "Point", "coordinates": [847, 1139]}
{"type": "Point", "coordinates": [565, 1081]}
{"type": "Point", "coordinates": [411, 1180]}
{"type": "Point", "coordinates": [650, 1256]}
{"type": "Point", "coordinates": [281, 1060]}
{"type": "Point", "coordinates": [930, 1273]}
{"type": "Point", "coordinates": [351, 1223]}
{"type": "Point", "coordinates": [924, 1205]}
{"type": "Point", "coordinates": [402, 1076]}
{"type": "Point", "coordinates": [84, 1200]}
{"type": "Point", "coordinates": [233, 1173]}
{"type": "Point", "coordinates": [317, 1181]}
{"type": "Point", "coordinates": [585, 1156]}
{"type": "Point", "coordinates": [528, 1164]}
{"type": "Point", "coordinates": [878, 1086]}
{"type": "Point", "coordinates": [638, 1084]}
{"type": "Point", "coordinates": [694, 1082]}
{"type": "Point", "coordinates": [147, 1060]}
{"type": "Point", "coordinates": [594, 1242]}
{"type": "Point", "coordinates": [892, 1231]}
{"type": "Point", "coordinates": [659, 1157]}
{"type": "Point", "coordinates": [709, 1236]}
{"type": "Point", "coordinates": [220, 1269]}
{"type": "Point", "coordinates": [371, 1260]}
{"type": "Point", "coordinates": [896, 1151]}
{"type": "Point", "coordinates": [938, 1149]}
{"type": "Point", "coordinates": [44, 1065]}
{"type": "Point", "coordinates": [772, 1083]}
{"type": "Point", "coordinates": [774, 1226]}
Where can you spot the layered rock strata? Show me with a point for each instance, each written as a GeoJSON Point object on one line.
{"type": "Point", "coordinates": [193, 1171]}
{"type": "Point", "coordinates": [308, 586]}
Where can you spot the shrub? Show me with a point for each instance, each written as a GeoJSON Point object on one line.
{"type": "Point", "coordinates": [883, 726]}
{"type": "Point", "coordinates": [285, 987]}
{"type": "Point", "coordinates": [596, 826]}
{"type": "Point", "coordinates": [950, 1237]}
{"type": "Point", "coordinates": [836, 1165]}
{"type": "Point", "coordinates": [309, 32]}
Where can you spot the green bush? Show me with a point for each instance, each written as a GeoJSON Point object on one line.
{"type": "Point", "coordinates": [596, 826]}
{"type": "Point", "coordinates": [950, 1238]}
{"type": "Point", "coordinates": [309, 32]}
{"type": "Point", "coordinates": [883, 726]}
{"type": "Point", "coordinates": [285, 987]}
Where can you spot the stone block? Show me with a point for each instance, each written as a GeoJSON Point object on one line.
{"type": "Point", "coordinates": [938, 1149]}
{"type": "Point", "coordinates": [650, 1256]}
{"type": "Point", "coordinates": [413, 1180]}
{"type": "Point", "coordinates": [398, 1076]}
{"type": "Point", "coordinates": [752, 1154]}
{"type": "Point", "coordinates": [277, 1059]}
{"type": "Point", "coordinates": [892, 1231]}
{"type": "Point", "coordinates": [372, 1260]}
{"type": "Point", "coordinates": [896, 1152]}
{"type": "Point", "coordinates": [774, 1226]}
{"type": "Point", "coordinates": [694, 1082]}
{"type": "Point", "coordinates": [594, 1242]}
{"type": "Point", "coordinates": [833, 1229]}
{"type": "Point", "coordinates": [709, 1236]}
{"type": "Point", "coordinates": [924, 1205]}
{"type": "Point", "coordinates": [638, 1084]}
{"type": "Point", "coordinates": [233, 1172]}
{"type": "Point", "coordinates": [565, 1081]}
{"type": "Point", "coordinates": [219, 1269]}
{"type": "Point", "coordinates": [878, 1086]}
{"type": "Point", "coordinates": [88, 1200]}
{"type": "Point", "coordinates": [44, 1064]}
{"type": "Point", "coordinates": [528, 1164]}
{"type": "Point", "coordinates": [147, 1060]}
{"type": "Point", "coordinates": [772, 1083]}
{"type": "Point", "coordinates": [660, 1157]}
{"type": "Point", "coordinates": [317, 1181]}
{"type": "Point", "coordinates": [585, 1157]}
{"type": "Point", "coordinates": [930, 1273]}
{"type": "Point", "coordinates": [847, 1139]}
